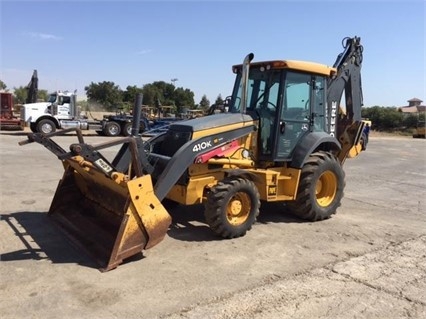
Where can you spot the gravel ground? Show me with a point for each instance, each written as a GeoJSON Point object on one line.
{"type": "Point", "coordinates": [368, 261]}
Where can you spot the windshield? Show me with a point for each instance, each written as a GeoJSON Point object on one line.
{"type": "Point", "coordinates": [52, 98]}
{"type": "Point", "coordinates": [263, 89]}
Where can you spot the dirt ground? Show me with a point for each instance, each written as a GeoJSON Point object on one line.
{"type": "Point", "coordinates": [368, 261]}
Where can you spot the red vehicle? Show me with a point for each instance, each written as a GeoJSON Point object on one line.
{"type": "Point", "coordinates": [7, 120]}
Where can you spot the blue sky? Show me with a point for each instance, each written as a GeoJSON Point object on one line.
{"type": "Point", "coordinates": [74, 43]}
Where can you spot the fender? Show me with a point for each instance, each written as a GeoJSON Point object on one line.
{"type": "Point", "coordinates": [243, 174]}
{"type": "Point", "coordinates": [49, 117]}
{"type": "Point", "coordinates": [309, 143]}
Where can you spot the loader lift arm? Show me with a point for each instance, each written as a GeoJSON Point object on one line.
{"type": "Point", "coordinates": [133, 154]}
{"type": "Point", "coordinates": [88, 152]}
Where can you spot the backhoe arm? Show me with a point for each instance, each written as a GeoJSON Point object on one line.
{"type": "Point", "coordinates": [345, 122]}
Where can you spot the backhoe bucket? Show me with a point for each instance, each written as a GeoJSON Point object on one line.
{"type": "Point", "coordinates": [112, 219]}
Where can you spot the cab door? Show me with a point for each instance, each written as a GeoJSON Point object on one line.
{"type": "Point", "coordinates": [302, 110]}
{"type": "Point", "coordinates": [294, 119]}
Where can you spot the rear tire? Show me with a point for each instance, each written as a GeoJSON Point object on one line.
{"type": "Point", "coordinates": [321, 188]}
{"type": "Point", "coordinates": [112, 129]}
{"type": "Point", "coordinates": [126, 130]}
{"type": "Point", "coordinates": [46, 126]}
{"type": "Point", "coordinates": [232, 207]}
{"type": "Point", "coordinates": [363, 141]}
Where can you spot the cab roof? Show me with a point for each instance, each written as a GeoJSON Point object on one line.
{"type": "Point", "coordinates": [304, 66]}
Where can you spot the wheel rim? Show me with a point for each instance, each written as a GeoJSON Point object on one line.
{"type": "Point", "coordinates": [238, 209]}
{"type": "Point", "coordinates": [46, 128]}
{"type": "Point", "coordinates": [326, 188]}
{"type": "Point", "coordinates": [113, 130]}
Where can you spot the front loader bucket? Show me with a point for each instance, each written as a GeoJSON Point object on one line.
{"type": "Point", "coordinates": [112, 220]}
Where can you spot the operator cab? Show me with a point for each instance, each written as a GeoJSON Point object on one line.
{"type": "Point", "coordinates": [288, 98]}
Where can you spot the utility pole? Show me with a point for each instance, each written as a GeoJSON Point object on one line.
{"type": "Point", "coordinates": [174, 84]}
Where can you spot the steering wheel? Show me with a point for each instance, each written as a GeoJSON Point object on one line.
{"type": "Point", "coordinates": [260, 106]}
{"type": "Point", "coordinates": [307, 104]}
{"type": "Point", "coordinates": [273, 105]}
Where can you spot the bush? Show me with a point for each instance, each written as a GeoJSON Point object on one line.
{"type": "Point", "coordinates": [389, 119]}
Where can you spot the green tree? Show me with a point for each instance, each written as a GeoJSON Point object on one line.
{"type": "Point", "coordinates": [219, 100]}
{"type": "Point", "coordinates": [3, 85]}
{"type": "Point", "coordinates": [166, 92]}
{"type": "Point", "coordinates": [183, 98]}
{"type": "Point", "coordinates": [150, 94]}
{"type": "Point", "coordinates": [168, 95]}
{"type": "Point", "coordinates": [204, 103]}
{"type": "Point", "coordinates": [159, 90]}
{"type": "Point", "coordinates": [392, 119]}
{"type": "Point", "coordinates": [384, 118]}
{"type": "Point", "coordinates": [20, 94]}
{"type": "Point", "coordinates": [42, 95]}
{"type": "Point", "coordinates": [110, 95]}
{"type": "Point", "coordinates": [410, 120]}
{"type": "Point", "coordinates": [106, 93]}
{"type": "Point", "coordinates": [130, 94]}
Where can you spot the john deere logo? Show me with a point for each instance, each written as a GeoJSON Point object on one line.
{"type": "Point", "coordinates": [272, 190]}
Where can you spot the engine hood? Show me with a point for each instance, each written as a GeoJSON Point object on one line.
{"type": "Point", "coordinates": [211, 121]}
{"type": "Point", "coordinates": [38, 105]}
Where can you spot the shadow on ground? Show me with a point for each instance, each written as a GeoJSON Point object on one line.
{"type": "Point", "coordinates": [42, 239]}
{"type": "Point", "coordinates": [14, 133]}
{"type": "Point", "coordinates": [188, 222]}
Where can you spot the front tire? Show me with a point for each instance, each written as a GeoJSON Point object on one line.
{"type": "Point", "coordinates": [321, 187]}
{"type": "Point", "coordinates": [33, 127]}
{"type": "Point", "coordinates": [46, 126]}
{"type": "Point", "coordinates": [232, 207]}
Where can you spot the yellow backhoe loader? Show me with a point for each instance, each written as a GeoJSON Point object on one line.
{"type": "Point", "coordinates": [284, 139]}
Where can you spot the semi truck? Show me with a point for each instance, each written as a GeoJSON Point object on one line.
{"type": "Point", "coordinates": [59, 112]}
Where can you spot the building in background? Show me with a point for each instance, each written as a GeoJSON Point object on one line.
{"type": "Point", "coordinates": [414, 106]}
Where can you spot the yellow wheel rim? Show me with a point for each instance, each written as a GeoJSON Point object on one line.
{"type": "Point", "coordinates": [326, 188]}
{"type": "Point", "coordinates": [238, 209]}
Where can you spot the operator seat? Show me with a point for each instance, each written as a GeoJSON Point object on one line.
{"type": "Point", "coordinates": [266, 122]}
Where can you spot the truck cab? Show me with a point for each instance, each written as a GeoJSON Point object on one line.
{"type": "Point", "coordinates": [60, 111]}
